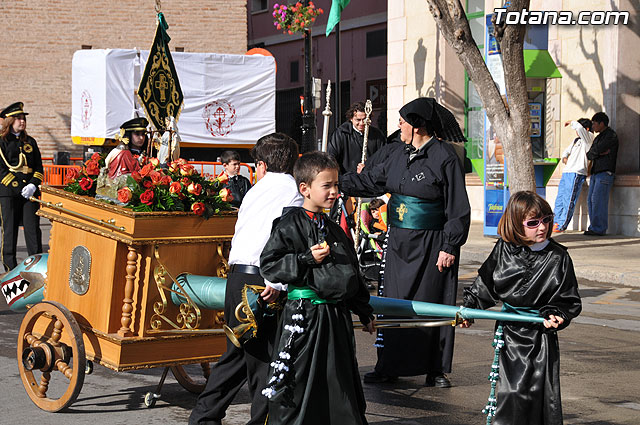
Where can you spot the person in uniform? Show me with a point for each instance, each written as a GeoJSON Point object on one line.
{"type": "Point", "coordinates": [21, 173]}
{"type": "Point", "coordinates": [429, 217]}
{"type": "Point", "coordinates": [133, 142]}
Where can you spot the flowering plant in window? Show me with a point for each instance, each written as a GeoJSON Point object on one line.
{"type": "Point", "coordinates": [82, 180]}
{"type": "Point", "coordinates": [295, 17]}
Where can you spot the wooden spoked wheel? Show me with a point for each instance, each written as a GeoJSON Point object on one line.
{"type": "Point", "coordinates": [50, 341]}
{"type": "Point", "coordinates": [190, 378]}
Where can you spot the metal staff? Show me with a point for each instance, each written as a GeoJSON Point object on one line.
{"type": "Point", "coordinates": [409, 323]}
{"type": "Point", "coordinates": [410, 308]}
{"type": "Point", "coordinates": [367, 122]}
{"type": "Point", "coordinates": [327, 114]}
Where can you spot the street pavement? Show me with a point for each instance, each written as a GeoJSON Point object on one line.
{"type": "Point", "coordinates": [611, 259]}
{"type": "Point", "coordinates": [600, 369]}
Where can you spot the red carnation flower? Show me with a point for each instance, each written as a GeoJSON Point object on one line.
{"type": "Point", "coordinates": [72, 175]}
{"type": "Point", "coordinates": [175, 187]}
{"type": "Point", "coordinates": [86, 183]}
{"type": "Point", "coordinates": [197, 208]}
{"type": "Point", "coordinates": [125, 195]}
{"type": "Point", "coordinates": [147, 197]}
{"type": "Point", "coordinates": [93, 168]}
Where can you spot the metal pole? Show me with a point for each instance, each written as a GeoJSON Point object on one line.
{"type": "Point", "coordinates": [338, 108]}
{"type": "Point", "coordinates": [327, 115]}
{"type": "Point", "coordinates": [309, 142]}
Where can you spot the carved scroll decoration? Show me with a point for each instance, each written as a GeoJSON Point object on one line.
{"type": "Point", "coordinates": [189, 315]}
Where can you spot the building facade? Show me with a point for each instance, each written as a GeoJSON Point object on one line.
{"type": "Point", "coordinates": [363, 60]}
{"type": "Point", "coordinates": [599, 72]}
{"type": "Point", "coordinates": [40, 38]}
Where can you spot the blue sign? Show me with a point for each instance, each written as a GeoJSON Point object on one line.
{"type": "Point", "coordinates": [493, 209]}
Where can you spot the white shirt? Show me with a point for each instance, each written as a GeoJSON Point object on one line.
{"type": "Point", "coordinates": [576, 152]}
{"type": "Point", "coordinates": [262, 204]}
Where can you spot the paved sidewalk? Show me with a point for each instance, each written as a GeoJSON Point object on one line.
{"type": "Point", "coordinates": [611, 259]}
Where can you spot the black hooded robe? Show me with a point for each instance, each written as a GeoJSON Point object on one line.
{"type": "Point", "coordinates": [529, 381]}
{"type": "Point", "coordinates": [326, 387]}
{"type": "Point", "coordinates": [345, 145]}
{"type": "Point", "coordinates": [410, 270]}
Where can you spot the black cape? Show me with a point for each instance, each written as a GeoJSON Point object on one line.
{"type": "Point", "coordinates": [345, 145]}
{"type": "Point", "coordinates": [239, 186]}
{"type": "Point", "coordinates": [529, 382]}
{"type": "Point", "coordinates": [410, 269]}
{"type": "Point", "coordinates": [326, 387]}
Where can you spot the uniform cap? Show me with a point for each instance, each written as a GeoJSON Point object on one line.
{"type": "Point", "coordinates": [135, 124]}
{"type": "Point", "coordinates": [13, 110]}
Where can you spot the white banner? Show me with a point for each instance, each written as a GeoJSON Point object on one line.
{"type": "Point", "coordinates": [228, 99]}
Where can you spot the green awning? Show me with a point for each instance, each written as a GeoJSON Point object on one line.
{"type": "Point", "coordinates": [539, 64]}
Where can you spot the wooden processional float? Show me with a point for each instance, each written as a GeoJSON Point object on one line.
{"type": "Point", "coordinates": [106, 297]}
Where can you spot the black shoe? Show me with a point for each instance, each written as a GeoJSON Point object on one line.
{"type": "Point", "coordinates": [439, 381]}
{"type": "Point", "coordinates": [378, 378]}
{"type": "Point", "coordinates": [592, 233]}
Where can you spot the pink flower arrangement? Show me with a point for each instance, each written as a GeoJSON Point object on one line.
{"type": "Point", "coordinates": [295, 17]}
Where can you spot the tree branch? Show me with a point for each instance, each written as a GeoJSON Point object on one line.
{"type": "Point", "coordinates": [454, 27]}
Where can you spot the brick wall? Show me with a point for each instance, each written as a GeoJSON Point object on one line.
{"type": "Point", "coordinates": [40, 37]}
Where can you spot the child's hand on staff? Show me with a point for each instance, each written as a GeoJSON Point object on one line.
{"type": "Point", "coordinates": [370, 327]}
{"type": "Point", "coordinates": [270, 294]}
{"type": "Point", "coordinates": [466, 323]}
{"type": "Point", "coordinates": [553, 321]}
{"type": "Point", "coordinates": [320, 251]}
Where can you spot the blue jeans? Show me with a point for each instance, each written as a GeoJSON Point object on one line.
{"type": "Point", "coordinates": [598, 201]}
{"type": "Point", "coordinates": [569, 190]}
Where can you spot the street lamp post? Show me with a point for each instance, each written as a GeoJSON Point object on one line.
{"type": "Point", "coordinates": [309, 142]}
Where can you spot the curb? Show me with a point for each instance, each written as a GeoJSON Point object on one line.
{"type": "Point", "coordinates": [583, 271]}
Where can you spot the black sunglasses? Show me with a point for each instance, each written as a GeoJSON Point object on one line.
{"type": "Point", "coordinates": [535, 222]}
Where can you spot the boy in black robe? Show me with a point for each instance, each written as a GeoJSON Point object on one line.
{"type": "Point", "coordinates": [314, 373]}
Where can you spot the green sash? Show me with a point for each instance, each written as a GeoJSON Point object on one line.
{"type": "Point", "coordinates": [409, 212]}
{"type": "Point", "coordinates": [307, 293]}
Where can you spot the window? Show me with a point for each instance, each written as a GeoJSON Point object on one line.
{"type": "Point", "coordinates": [259, 5]}
{"type": "Point", "coordinates": [294, 68]}
{"type": "Point", "coordinates": [377, 43]}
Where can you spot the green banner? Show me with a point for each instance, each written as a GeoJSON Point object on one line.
{"type": "Point", "coordinates": [334, 14]}
{"type": "Point", "coordinates": [159, 91]}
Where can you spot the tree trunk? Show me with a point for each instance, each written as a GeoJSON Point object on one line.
{"type": "Point", "coordinates": [511, 123]}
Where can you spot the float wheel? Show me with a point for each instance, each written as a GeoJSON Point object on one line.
{"type": "Point", "coordinates": [52, 371]}
{"type": "Point", "coordinates": [193, 384]}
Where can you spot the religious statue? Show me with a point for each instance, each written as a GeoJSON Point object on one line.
{"type": "Point", "coordinates": [168, 146]}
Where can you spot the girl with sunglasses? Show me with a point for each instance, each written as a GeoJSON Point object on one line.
{"type": "Point", "coordinates": [530, 274]}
